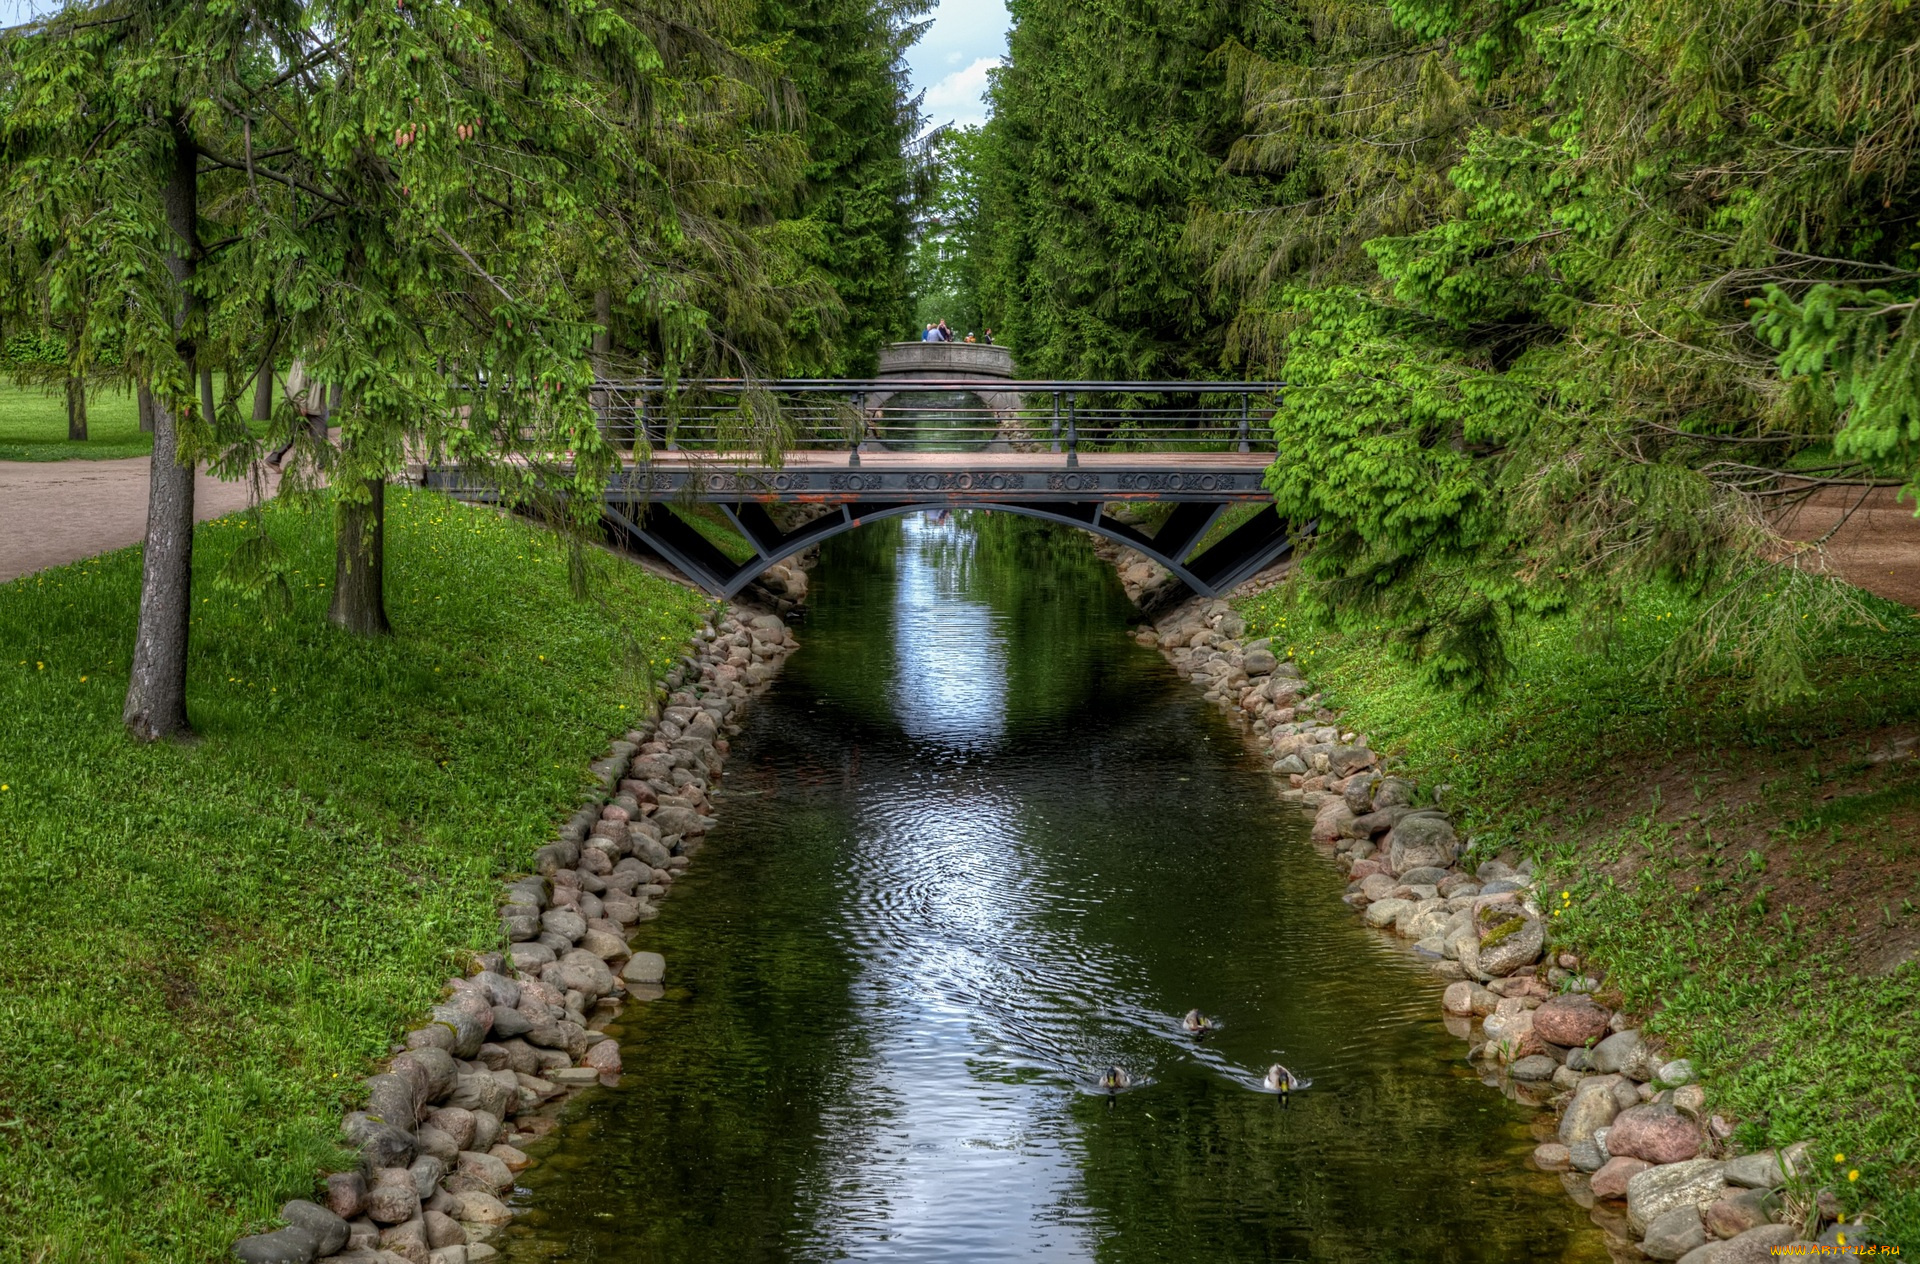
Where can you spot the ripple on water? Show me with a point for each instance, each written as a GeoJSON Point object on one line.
{"type": "Point", "coordinates": [984, 848]}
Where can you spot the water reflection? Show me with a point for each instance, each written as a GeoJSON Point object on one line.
{"type": "Point", "coordinates": [977, 846]}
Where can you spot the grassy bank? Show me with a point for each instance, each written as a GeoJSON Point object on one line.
{"type": "Point", "coordinates": [1750, 881]}
{"type": "Point", "coordinates": [33, 426]}
{"type": "Point", "coordinates": [209, 941]}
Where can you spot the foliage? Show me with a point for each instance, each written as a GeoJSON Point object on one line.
{"type": "Point", "coordinates": [33, 427]}
{"type": "Point", "coordinates": [1110, 122]}
{"type": "Point", "coordinates": [948, 241]}
{"type": "Point", "coordinates": [1678, 820]}
{"type": "Point", "coordinates": [289, 891]}
{"type": "Point", "coordinates": [864, 178]}
{"type": "Point", "coordinates": [1512, 283]}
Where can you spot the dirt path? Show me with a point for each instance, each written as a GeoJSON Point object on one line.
{"type": "Point", "coordinates": [55, 512]}
{"type": "Point", "coordinates": [1879, 547]}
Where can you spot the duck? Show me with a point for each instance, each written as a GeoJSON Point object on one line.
{"type": "Point", "coordinates": [1196, 1023]}
{"type": "Point", "coordinates": [1115, 1078]}
{"type": "Point", "coordinates": [1282, 1081]}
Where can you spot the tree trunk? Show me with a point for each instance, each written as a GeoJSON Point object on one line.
{"type": "Point", "coordinates": [76, 409]}
{"type": "Point", "coordinates": [157, 684]}
{"type": "Point", "coordinates": [145, 396]}
{"type": "Point", "coordinates": [263, 393]}
{"type": "Point", "coordinates": [359, 564]}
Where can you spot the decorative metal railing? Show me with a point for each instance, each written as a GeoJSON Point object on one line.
{"type": "Point", "coordinates": [953, 415]}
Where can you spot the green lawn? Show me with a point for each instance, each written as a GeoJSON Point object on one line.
{"type": "Point", "coordinates": [33, 426]}
{"type": "Point", "coordinates": [209, 941]}
{"type": "Point", "coordinates": [1751, 880]}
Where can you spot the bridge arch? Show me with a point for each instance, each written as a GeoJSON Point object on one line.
{"type": "Point", "coordinates": [1250, 548]}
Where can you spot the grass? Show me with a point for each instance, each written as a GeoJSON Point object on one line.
{"type": "Point", "coordinates": [209, 941]}
{"type": "Point", "coordinates": [1750, 882]}
{"type": "Point", "coordinates": [33, 426]}
{"type": "Point", "coordinates": [712, 524]}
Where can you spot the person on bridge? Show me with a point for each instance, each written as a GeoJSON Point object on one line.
{"type": "Point", "coordinates": [988, 338]}
{"type": "Point", "coordinates": [946, 335]}
{"type": "Point", "coordinates": [932, 334]}
{"type": "Point", "coordinates": [970, 337]}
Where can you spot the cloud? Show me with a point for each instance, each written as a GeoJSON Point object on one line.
{"type": "Point", "coordinates": [958, 96]}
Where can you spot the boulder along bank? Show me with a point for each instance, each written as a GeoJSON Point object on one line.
{"type": "Point", "coordinates": [1625, 1123]}
{"type": "Point", "coordinates": [487, 1072]}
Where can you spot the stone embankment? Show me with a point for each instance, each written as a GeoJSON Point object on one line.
{"type": "Point", "coordinates": [440, 1137]}
{"type": "Point", "coordinates": [1635, 1139]}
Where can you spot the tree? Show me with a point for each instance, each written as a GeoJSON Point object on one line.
{"type": "Point", "coordinates": [862, 183]}
{"type": "Point", "coordinates": [1110, 123]}
{"type": "Point", "coordinates": [1512, 296]}
{"type": "Point", "coordinates": [949, 242]}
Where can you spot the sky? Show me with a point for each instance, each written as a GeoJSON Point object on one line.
{"type": "Point", "coordinates": [949, 64]}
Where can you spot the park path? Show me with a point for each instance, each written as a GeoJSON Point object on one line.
{"type": "Point", "coordinates": [55, 512]}
{"type": "Point", "coordinates": [1879, 547]}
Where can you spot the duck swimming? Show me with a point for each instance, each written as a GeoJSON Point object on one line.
{"type": "Point", "coordinates": [1282, 1081]}
{"type": "Point", "coordinates": [1115, 1078]}
{"type": "Point", "coordinates": [1197, 1024]}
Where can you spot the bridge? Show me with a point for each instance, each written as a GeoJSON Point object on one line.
{"type": "Point", "coordinates": [839, 453]}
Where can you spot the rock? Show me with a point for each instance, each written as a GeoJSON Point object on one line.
{"type": "Point", "coordinates": [381, 1144]}
{"type": "Point", "coordinates": [604, 1057]}
{"type": "Point", "coordinates": [1570, 1021]}
{"type": "Point", "coordinates": [1656, 1133]}
{"type": "Point", "coordinates": [1565, 1078]}
{"type": "Point", "coordinates": [1421, 840]}
{"type": "Point", "coordinates": [480, 1092]}
{"type": "Point", "coordinates": [1592, 1108]}
{"type": "Point", "coordinates": [469, 1027]}
{"type": "Point", "coordinates": [1675, 1073]}
{"type": "Point", "coordinates": [1535, 1066]}
{"type": "Point", "coordinates": [1658, 1190]}
{"type": "Point", "coordinates": [1611, 1180]}
{"type": "Point", "coordinates": [1383, 913]}
{"type": "Point", "coordinates": [1551, 1156]}
{"type": "Point", "coordinates": [1739, 1211]}
{"type": "Point", "coordinates": [1427, 876]}
{"type": "Point", "coordinates": [528, 958]}
{"type": "Point", "coordinates": [1762, 1170]}
{"type": "Point", "coordinates": [1258, 662]}
{"type": "Point", "coordinates": [427, 1171]}
{"type": "Point", "coordinates": [393, 1202]}
{"type": "Point", "coordinates": [1587, 1157]}
{"type": "Point", "coordinates": [394, 1099]}
{"type": "Point", "coordinates": [408, 1241]}
{"type": "Point", "coordinates": [485, 1168]}
{"type": "Point", "coordinates": [645, 967]}
{"type": "Point", "coordinates": [607, 947]}
{"type": "Point", "coordinates": [1759, 1245]}
{"type": "Point", "coordinates": [1691, 1101]}
{"type": "Point", "coordinates": [486, 1130]}
{"type": "Point", "coordinates": [1579, 1059]}
{"type": "Point", "coordinates": [497, 988]}
{"type": "Point", "coordinates": [1458, 998]}
{"type": "Point", "coordinates": [435, 1143]}
{"type": "Point", "coordinates": [580, 971]}
{"type": "Point", "coordinates": [515, 1159]}
{"type": "Point", "coordinates": [1506, 950]}
{"type": "Point", "coordinates": [454, 1122]}
{"type": "Point", "coordinates": [509, 1023]}
{"type": "Point", "coordinates": [1673, 1233]}
{"type": "Point", "coordinates": [444, 1230]}
{"type": "Point", "coordinates": [1333, 821]}
{"type": "Point", "coordinates": [346, 1194]}
{"type": "Point", "coordinates": [292, 1245]}
{"type": "Point", "coordinates": [575, 1077]}
{"type": "Point", "coordinates": [1612, 1054]}
{"type": "Point", "coordinates": [432, 1070]}
{"type": "Point", "coordinates": [329, 1229]}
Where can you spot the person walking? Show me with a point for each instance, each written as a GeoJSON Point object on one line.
{"type": "Point", "coordinates": [309, 400]}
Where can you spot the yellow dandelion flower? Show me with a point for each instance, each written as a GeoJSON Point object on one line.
{"type": "Point", "coordinates": [1854, 1175]}
{"type": "Point", "coordinates": [1839, 1158]}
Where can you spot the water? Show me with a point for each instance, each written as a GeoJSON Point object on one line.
{"type": "Point", "coordinates": [976, 846]}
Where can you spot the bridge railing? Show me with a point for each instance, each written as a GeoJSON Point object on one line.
{"type": "Point", "coordinates": [1034, 416]}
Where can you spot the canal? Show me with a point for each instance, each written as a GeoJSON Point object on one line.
{"type": "Point", "coordinates": [977, 846]}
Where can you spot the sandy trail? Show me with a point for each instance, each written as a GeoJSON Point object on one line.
{"type": "Point", "coordinates": [1879, 547]}
{"type": "Point", "coordinates": [55, 512]}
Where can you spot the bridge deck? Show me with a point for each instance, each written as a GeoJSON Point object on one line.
{"type": "Point", "coordinates": [957, 477]}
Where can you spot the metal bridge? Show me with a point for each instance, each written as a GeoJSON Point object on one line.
{"type": "Point", "coordinates": [839, 453]}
